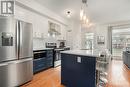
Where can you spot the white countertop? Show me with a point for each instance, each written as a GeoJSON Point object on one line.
{"type": "Point", "coordinates": [42, 49]}
{"type": "Point", "coordinates": [92, 53]}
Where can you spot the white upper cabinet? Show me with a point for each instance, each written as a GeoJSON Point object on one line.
{"type": "Point", "coordinates": [58, 29]}
{"type": "Point", "coordinates": [63, 34]}
{"type": "Point", "coordinates": [54, 28]}
{"type": "Point", "coordinates": [42, 26]}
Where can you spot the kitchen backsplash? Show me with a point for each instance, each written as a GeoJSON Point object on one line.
{"type": "Point", "coordinates": [40, 43]}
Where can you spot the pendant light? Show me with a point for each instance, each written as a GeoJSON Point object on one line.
{"type": "Point", "coordinates": [84, 15]}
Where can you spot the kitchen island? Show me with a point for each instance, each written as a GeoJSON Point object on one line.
{"type": "Point", "coordinates": [78, 68]}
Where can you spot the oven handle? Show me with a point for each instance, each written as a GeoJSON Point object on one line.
{"type": "Point", "coordinates": [40, 52]}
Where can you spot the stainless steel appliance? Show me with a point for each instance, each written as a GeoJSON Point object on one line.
{"type": "Point", "coordinates": [57, 54]}
{"type": "Point", "coordinates": [62, 44]}
{"type": "Point", "coordinates": [57, 57]}
{"type": "Point", "coordinates": [51, 45]}
{"type": "Point", "coordinates": [16, 52]}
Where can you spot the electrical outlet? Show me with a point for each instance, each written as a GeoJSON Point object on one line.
{"type": "Point", "coordinates": [79, 59]}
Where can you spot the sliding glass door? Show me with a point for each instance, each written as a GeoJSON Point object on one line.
{"type": "Point", "coordinates": [120, 40]}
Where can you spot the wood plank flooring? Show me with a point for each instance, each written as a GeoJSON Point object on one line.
{"type": "Point", "coordinates": [47, 78]}
{"type": "Point", "coordinates": [118, 76]}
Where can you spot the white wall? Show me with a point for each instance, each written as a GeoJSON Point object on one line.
{"type": "Point", "coordinates": [30, 11]}
{"type": "Point", "coordinates": [101, 30]}
{"type": "Point", "coordinates": [98, 30]}
{"type": "Point", "coordinates": [75, 35]}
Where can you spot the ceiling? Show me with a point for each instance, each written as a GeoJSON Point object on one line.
{"type": "Point", "coordinates": [100, 11]}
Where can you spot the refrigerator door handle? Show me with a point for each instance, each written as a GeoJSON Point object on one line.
{"type": "Point", "coordinates": [3, 64]}
{"type": "Point", "coordinates": [20, 38]}
{"type": "Point", "coordinates": [17, 39]}
{"type": "Point", "coordinates": [24, 60]}
{"type": "Point", "coordinates": [18, 61]}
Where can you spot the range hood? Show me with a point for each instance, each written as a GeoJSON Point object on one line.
{"type": "Point", "coordinates": [54, 29]}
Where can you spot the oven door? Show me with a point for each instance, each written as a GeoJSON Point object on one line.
{"type": "Point", "coordinates": [39, 54]}
{"type": "Point", "coordinates": [57, 57]}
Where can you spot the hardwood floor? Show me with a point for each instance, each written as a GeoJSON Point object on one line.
{"type": "Point", "coordinates": [47, 78]}
{"type": "Point", "coordinates": [118, 76]}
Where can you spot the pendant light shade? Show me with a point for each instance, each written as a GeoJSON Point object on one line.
{"type": "Point", "coordinates": [83, 14]}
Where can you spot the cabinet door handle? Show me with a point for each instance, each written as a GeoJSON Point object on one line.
{"type": "Point", "coordinates": [79, 59]}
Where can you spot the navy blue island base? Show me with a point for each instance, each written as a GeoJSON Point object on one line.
{"type": "Point", "coordinates": [78, 70]}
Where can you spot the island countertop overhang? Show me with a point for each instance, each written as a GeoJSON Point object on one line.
{"type": "Point", "coordinates": [90, 53]}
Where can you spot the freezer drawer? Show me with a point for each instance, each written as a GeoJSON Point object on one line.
{"type": "Point", "coordinates": [15, 73]}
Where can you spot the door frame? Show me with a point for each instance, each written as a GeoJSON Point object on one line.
{"type": "Point", "coordinates": [112, 27]}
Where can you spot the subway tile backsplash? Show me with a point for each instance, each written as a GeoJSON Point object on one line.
{"type": "Point", "coordinates": [40, 43]}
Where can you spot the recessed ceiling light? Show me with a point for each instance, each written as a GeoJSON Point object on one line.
{"type": "Point", "coordinates": [68, 14]}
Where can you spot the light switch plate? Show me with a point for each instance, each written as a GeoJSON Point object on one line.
{"type": "Point", "coordinates": [79, 59]}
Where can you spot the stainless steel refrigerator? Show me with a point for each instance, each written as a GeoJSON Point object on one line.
{"type": "Point", "coordinates": [16, 52]}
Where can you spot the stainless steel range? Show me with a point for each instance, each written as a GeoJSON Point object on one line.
{"type": "Point", "coordinates": [57, 54]}
{"type": "Point", "coordinates": [16, 53]}
{"type": "Point", "coordinates": [57, 59]}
